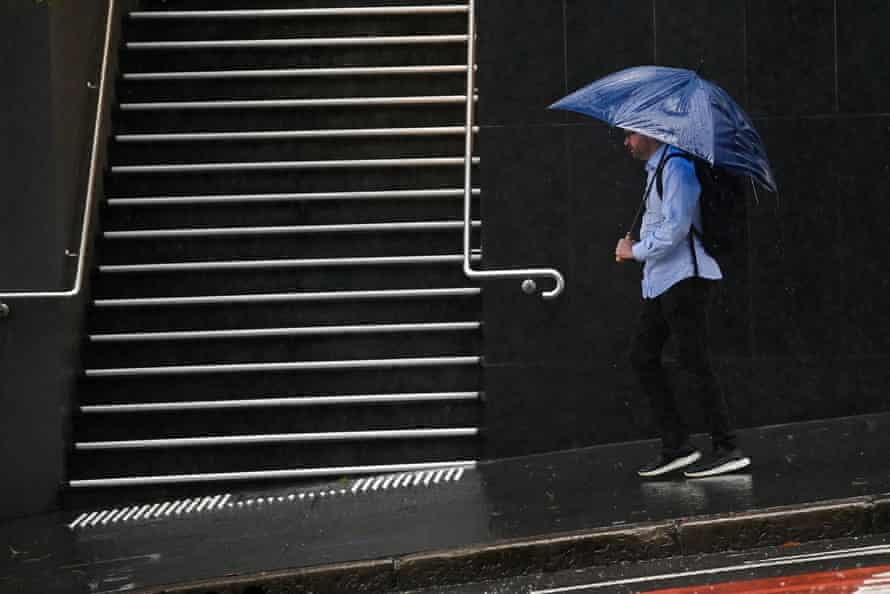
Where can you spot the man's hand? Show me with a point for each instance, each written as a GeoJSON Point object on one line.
{"type": "Point", "coordinates": [624, 249]}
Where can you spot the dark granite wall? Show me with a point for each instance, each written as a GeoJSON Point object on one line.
{"type": "Point", "coordinates": [801, 324]}
{"type": "Point", "coordinates": [50, 54]}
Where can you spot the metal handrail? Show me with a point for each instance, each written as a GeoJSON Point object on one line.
{"type": "Point", "coordinates": [528, 285]}
{"type": "Point", "coordinates": [91, 183]}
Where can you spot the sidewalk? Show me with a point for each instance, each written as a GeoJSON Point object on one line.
{"type": "Point", "coordinates": [548, 512]}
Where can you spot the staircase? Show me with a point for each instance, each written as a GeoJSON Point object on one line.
{"type": "Point", "coordinates": [279, 291]}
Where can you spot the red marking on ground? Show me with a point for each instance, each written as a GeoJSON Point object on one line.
{"type": "Point", "coordinates": [845, 581]}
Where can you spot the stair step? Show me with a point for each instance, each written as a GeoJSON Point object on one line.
{"type": "Point", "coordinates": [145, 502]}
{"type": "Point", "coordinates": [223, 282]}
{"type": "Point", "coordinates": [284, 263]}
{"type": "Point", "coordinates": [396, 101]}
{"type": "Point", "coordinates": [275, 438]}
{"type": "Point", "coordinates": [297, 153]}
{"type": "Point", "coordinates": [350, 416]}
{"type": "Point", "coordinates": [264, 457]}
{"type": "Point", "coordinates": [291, 197]}
{"type": "Point", "coordinates": [262, 24]}
{"type": "Point", "coordinates": [297, 42]}
{"type": "Point", "coordinates": [276, 214]}
{"type": "Point", "coordinates": [278, 474]}
{"type": "Point", "coordinates": [401, 133]}
{"type": "Point", "coordinates": [299, 296]}
{"type": "Point", "coordinates": [400, 227]}
{"type": "Point", "coordinates": [298, 313]}
{"type": "Point", "coordinates": [203, 387]}
{"type": "Point", "coordinates": [348, 351]}
{"type": "Point", "coordinates": [279, 332]}
{"type": "Point", "coordinates": [289, 165]}
{"type": "Point", "coordinates": [149, 246]}
{"type": "Point", "coordinates": [262, 247]}
{"type": "Point", "coordinates": [446, 113]}
{"type": "Point", "coordinates": [283, 402]}
{"type": "Point", "coordinates": [345, 12]}
{"type": "Point", "coordinates": [418, 50]}
{"type": "Point", "coordinates": [167, 5]}
{"type": "Point", "coordinates": [283, 366]}
{"type": "Point", "coordinates": [285, 209]}
{"type": "Point", "coordinates": [248, 89]}
{"type": "Point", "coordinates": [266, 73]}
{"type": "Point", "coordinates": [261, 181]}
{"type": "Point", "coordinates": [241, 404]}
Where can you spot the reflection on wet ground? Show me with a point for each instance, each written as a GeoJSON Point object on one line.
{"type": "Point", "coordinates": [593, 487]}
{"type": "Point", "coordinates": [735, 489]}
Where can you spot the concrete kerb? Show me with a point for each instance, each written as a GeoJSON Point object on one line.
{"type": "Point", "coordinates": [777, 526]}
{"type": "Point", "coordinates": [546, 554]}
{"type": "Point", "coordinates": [787, 525]}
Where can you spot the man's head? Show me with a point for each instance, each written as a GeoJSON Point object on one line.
{"type": "Point", "coordinates": [640, 146]}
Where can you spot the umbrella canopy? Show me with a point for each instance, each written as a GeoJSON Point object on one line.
{"type": "Point", "coordinates": [677, 107]}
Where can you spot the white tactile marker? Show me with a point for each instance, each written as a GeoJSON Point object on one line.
{"type": "Point", "coordinates": [162, 509]}
{"type": "Point", "coordinates": [182, 507]}
{"type": "Point", "coordinates": [130, 513]}
{"type": "Point", "coordinates": [78, 520]}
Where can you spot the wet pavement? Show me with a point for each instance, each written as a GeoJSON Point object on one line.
{"type": "Point", "coordinates": [284, 527]}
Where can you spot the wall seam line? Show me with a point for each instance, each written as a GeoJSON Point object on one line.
{"type": "Point", "coordinates": [654, 35]}
{"type": "Point", "coordinates": [837, 100]}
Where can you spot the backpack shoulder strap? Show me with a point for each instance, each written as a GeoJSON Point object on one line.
{"type": "Point", "coordinates": [692, 229]}
{"type": "Point", "coordinates": [658, 174]}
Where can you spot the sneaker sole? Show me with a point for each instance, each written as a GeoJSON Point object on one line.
{"type": "Point", "coordinates": [675, 465]}
{"type": "Point", "coordinates": [731, 466]}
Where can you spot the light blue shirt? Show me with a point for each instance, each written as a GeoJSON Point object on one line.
{"type": "Point", "coordinates": [664, 234]}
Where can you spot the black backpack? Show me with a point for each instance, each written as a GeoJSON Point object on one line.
{"type": "Point", "coordinates": [722, 205]}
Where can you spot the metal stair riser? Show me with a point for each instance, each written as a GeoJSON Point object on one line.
{"type": "Point", "coordinates": [152, 251]}
{"type": "Point", "coordinates": [99, 464]}
{"type": "Point", "coordinates": [306, 180]}
{"type": "Point", "coordinates": [325, 149]}
{"type": "Point", "coordinates": [209, 317]}
{"type": "Point", "coordinates": [300, 27]}
{"type": "Point", "coordinates": [449, 113]}
{"type": "Point", "coordinates": [276, 420]}
{"type": "Point", "coordinates": [285, 213]}
{"type": "Point", "coordinates": [216, 386]}
{"type": "Point", "coordinates": [275, 281]}
{"type": "Point", "coordinates": [160, 60]}
{"type": "Point", "coordinates": [291, 86]}
{"type": "Point", "coordinates": [249, 350]}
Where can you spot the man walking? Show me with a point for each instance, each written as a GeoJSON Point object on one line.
{"type": "Point", "coordinates": [678, 274]}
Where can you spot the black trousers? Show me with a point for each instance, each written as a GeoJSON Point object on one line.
{"type": "Point", "coordinates": [680, 312]}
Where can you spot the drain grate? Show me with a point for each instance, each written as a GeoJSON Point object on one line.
{"type": "Point", "coordinates": [191, 507]}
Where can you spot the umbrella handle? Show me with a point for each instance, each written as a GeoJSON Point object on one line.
{"type": "Point", "coordinates": [617, 259]}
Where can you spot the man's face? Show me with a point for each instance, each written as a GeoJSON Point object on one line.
{"type": "Point", "coordinates": [639, 146]}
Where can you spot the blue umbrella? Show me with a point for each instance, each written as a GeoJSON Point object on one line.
{"type": "Point", "coordinates": [677, 107]}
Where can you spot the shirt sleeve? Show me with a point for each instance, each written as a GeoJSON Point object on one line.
{"type": "Point", "coordinates": [678, 203]}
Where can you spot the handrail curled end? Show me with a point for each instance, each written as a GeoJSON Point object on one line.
{"type": "Point", "coordinates": [528, 284]}
{"type": "Point", "coordinates": [557, 290]}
